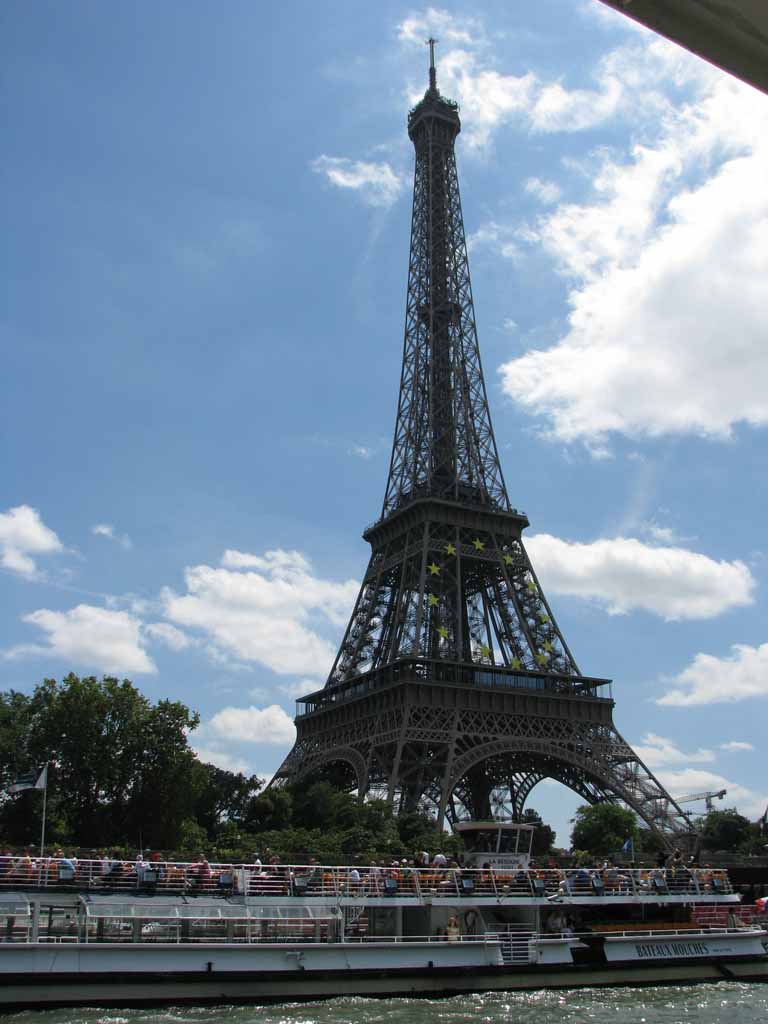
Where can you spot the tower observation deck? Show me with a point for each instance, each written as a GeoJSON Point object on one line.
{"type": "Point", "coordinates": [453, 687]}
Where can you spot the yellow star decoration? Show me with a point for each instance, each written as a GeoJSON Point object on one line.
{"type": "Point", "coordinates": [485, 651]}
{"type": "Point", "coordinates": [477, 544]}
{"type": "Point", "coordinates": [543, 616]}
{"type": "Point", "coordinates": [548, 647]}
{"type": "Point", "coordinates": [509, 560]}
{"type": "Point", "coordinates": [542, 658]}
{"type": "Point", "coordinates": [434, 569]}
{"type": "Point", "coordinates": [450, 549]}
{"type": "Point", "coordinates": [432, 600]}
{"type": "Point", "coordinates": [516, 663]}
{"type": "Point", "coordinates": [443, 632]}
{"type": "Point", "coordinates": [531, 586]}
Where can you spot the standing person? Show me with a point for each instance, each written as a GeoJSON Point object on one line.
{"type": "Point", "coordinates": [452, 929]}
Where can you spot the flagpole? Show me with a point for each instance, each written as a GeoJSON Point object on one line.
{"type": "Point", "coordinates": [45, 808]}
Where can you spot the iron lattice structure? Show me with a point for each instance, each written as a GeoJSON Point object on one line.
{"type": "Point", "coordinates": [453, 685]}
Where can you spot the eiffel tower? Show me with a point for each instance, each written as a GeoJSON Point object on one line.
{"type": "Point", "coordinates": [453, 687]}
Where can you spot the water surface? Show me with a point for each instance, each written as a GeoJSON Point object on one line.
{"type": "Point", "coordinates": [731, 1002]}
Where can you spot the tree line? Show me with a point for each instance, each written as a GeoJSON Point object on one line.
{"type": "Point", "coordinates": [123, 775]}
{"type": "Point", "coordinates": [605, 829]}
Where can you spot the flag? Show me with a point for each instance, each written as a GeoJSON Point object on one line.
{"type": "Point", "coordinates": [36, 779]}
{"type": "Point", "coordinates": [627, 847]}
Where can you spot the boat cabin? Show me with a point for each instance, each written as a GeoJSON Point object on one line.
{"type": "Point", "coordinates": [500, 844]}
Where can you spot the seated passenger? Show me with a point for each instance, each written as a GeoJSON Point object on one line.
{"type": "Point", "coordinates": [200, 872]}
{"type": "Point", "coordinates": [23, 867]}
{"type": "Point", "coordinates": [116, 868]}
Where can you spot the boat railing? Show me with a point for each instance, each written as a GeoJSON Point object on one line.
{"type": "Point", "coordinates": [689, 932]}
{"type": "Point", "coordinates": [680, 933]}
{"type": "Point", "coordinates": [354, 882]}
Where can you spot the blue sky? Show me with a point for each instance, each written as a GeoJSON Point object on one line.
{"type": "Point", "coordinates": [206, 214]}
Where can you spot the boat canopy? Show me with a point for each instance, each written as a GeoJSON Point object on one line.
{"type": "Point", "coordinates": [201, 910]}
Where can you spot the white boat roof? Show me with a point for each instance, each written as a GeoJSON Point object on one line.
{"type": "Point", "coordinates": [732, 34]}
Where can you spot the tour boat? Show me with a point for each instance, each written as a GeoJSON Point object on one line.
{"type": "Point", "coordinates": [94, 932]}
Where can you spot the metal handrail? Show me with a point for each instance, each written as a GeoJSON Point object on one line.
{"type": "Point", "coordinates": [355, 882]}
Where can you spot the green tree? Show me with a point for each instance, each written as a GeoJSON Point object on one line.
{"type": "Point", "coordinates": [120, 767]}
{"type": "Point", "coordinates": [544, 836]}
{"type": "Point", "coordinates": [602, 829]}
{"type": "Point", "coordinates": [321, 805]}
{"type": "Point", "coordinates": [269, 811]}
{"type": "Point", "coordinates": [726, 830]}
{"type": "Point", "coordinates": [222, 798]}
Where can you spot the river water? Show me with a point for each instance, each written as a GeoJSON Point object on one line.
{"type": "Point", "coordinates": [730, 1002]}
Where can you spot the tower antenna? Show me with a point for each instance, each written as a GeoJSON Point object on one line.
{"type": "Point", "coordinates": [432, 70]}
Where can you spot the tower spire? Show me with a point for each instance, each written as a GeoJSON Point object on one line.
{"type": "Point", "coordinates": [432, 70]}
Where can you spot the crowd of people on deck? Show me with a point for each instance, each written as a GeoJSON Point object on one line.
{"type": "Point", "coordinates": [267, 874]}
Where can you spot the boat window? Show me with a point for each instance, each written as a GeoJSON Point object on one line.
{"type": "Point", "coordinates": [509, 839]}
{"type": "Point", "coordinates": [14, 904]}
{"type": "Point", "coordinates": [480, 839]}
{"type": "Point", "coordinates": [218, 910]}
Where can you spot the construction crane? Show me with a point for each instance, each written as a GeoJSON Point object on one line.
{"type": "Point", "coordinates": [708, 797]}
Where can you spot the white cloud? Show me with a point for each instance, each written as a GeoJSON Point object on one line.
{"type": "Point", "coordinates": [661, 534]}
{"type": "Point", "coordinates": [89, 637]}
{"type": "Point", "coordinates": [711, 680]}
{"type": "Point", "coordinates": [501, 237]}
{"type": "Point", "coordinates": [489, 98]}
{"type": "Point", "coordinates": [299, 688]}
{"type": "Point", "coordinates": [561, 110]}
{"type": "Point", "coordinates": [546, 192]}
{"type": "Point", "coordinates": [376, 183]}
{"type": "Point", "coordinates": [446, 27]}
{"type": "Point", "coordinates": [253, 725]}
{"type": "Point", "coordinates": [168, 635]}
{"type": "Point", "coordinates": [222, 759]}
{"type": "Point", "coordinates": [107, 530]}
{"type": "Point", "coordinates": [697, 780]}
{"type": "Point", "coordinates": [656, 751]}
{"type": "Point", "coordinates": [736, 746]}
{"type": "Point", "coordinates": [273, 613]}
{"type": "Point", "coordinates": [22, 534]}
{"type": "Point", "coordinates": [666, 267]}
{"type": "Point", "coordinates": [624, 574]}
{"type": "Point", "coordinates": [279, 563]}
{"type": "Point", "coordinates": [361, 451]}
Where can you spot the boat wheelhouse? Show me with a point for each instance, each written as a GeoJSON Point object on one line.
{"type": "Point", "coordinates": [505, 845]}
